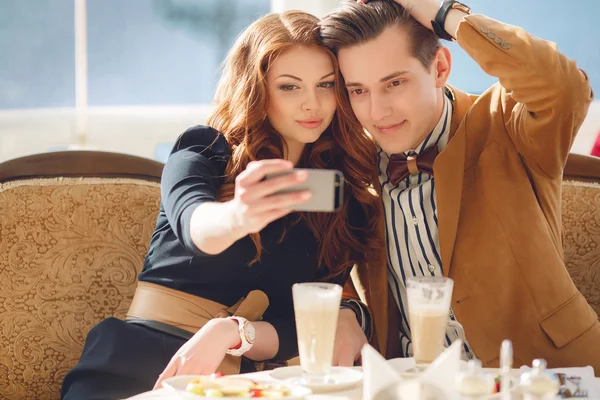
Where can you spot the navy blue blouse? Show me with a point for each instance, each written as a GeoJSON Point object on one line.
{"type": "Point", "coordinates": [192, 175]}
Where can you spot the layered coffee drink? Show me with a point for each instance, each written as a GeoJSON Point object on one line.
{"type": "Point", "coordinates": [428, 330]}
{"type": "Point", "coordinates": [316, 308]}
{"type": "Point", "coordinates": [316, 336]}
{"type": "Point", "coordinates": [429, 316]}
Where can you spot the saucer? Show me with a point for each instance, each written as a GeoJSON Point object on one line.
{"type": "Point", "coordinates": [339, 378]}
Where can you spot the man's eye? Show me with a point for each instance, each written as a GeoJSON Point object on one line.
{"type": "Point", "coordinates": [357, 91]}
{"type": "Point", "coordinates": [396, 83]}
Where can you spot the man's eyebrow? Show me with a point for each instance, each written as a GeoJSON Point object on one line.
{"type": "Point", "coordinates": [392, 75]}
{"type": "Point", "coordinates": [385, 78]}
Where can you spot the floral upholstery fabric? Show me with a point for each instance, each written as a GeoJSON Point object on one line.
{"type": "Point", "coordinates": [70, 253]}
{"type": "Point", "coordinates": [71, 249]}
{"type": "Point", "coordinates": [581, 237]}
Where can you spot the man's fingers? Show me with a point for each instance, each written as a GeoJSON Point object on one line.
{"type": "Point", "coordinates": [358, 361]}
{"type": "Point", "coordinates": [346, 359]}
{"type": "Point", "coordinates": [336, 356]}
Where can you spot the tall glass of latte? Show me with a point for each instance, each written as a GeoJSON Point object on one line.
{"type": "Point", "coordinates": [429, 309]}
{"type": "Point", "coordinates": [316, 307]}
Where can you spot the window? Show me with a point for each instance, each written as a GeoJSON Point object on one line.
{"type": "Point", "coordinates": [152, 69]}
{"type": "Point", "coordinates": [152, 66]}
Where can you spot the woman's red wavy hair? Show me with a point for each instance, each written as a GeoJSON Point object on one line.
{"type": "Point", "coordinates": [240, 115]}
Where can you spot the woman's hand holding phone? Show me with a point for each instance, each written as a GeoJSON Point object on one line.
{"type": "Point", "coordinates": [256, 202]}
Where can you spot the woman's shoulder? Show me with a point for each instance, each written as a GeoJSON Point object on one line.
{"type": "Point", "coordinates": [202, 139]}
{"type": "Point", "coordinates": [201, 144]}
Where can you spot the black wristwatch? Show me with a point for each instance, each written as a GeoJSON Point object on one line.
{"type": "Point", "coordinates": [440, 18]}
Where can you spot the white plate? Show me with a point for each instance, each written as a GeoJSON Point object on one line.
{"type": "Point", "coordinates": [340, 378]}
{"type": "Point", "coordinates": [178, 384]}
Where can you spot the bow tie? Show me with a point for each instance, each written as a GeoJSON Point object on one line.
{"type": "Point", "coordinates": [401, 166]}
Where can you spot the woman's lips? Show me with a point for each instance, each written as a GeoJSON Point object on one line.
{"type": "Point", "coordinates": [310, 123]}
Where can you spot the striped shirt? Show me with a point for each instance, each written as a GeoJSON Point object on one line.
{"type": "Point", "coordinates": [412, 235]}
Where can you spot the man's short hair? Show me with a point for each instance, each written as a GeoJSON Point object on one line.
{"type": "Point", "coordinates": [355, 23]}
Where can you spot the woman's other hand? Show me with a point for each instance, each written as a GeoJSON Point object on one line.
{"type": "Point", "coordinates": [204, 352]}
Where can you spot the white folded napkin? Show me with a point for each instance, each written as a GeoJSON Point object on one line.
{"type": "Point", "coordinates": [403, 365]}
{"type": "Point", "coordinates": [442, 373]}
{"type": "Point", "coordinates": [378, 374]}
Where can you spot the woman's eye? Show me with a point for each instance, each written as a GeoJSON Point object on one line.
{"type": "Point", "coordinates": [327, 85]}
{"type": "Point", "coordinates": [288, 88]}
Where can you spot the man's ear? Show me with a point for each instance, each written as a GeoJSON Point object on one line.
{"type": "Point", "coordinates": [442, 64]}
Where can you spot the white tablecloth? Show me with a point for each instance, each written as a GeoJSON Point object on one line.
{"type": "Point", "coordinates": [352, 394]}
{"type": "Point", "coordinates": [164, 394]}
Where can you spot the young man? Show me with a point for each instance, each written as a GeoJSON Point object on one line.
{"type": "Point", "coordinates": [486, 211]}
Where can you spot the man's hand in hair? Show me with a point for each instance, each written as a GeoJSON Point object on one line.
{"type": "Point", "coordinates": [424, 11]}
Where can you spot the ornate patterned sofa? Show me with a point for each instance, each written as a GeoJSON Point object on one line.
{"type": "Point", "coordinates": [74, 230]}
{"type": "Point", "coordinates": [581, 224]}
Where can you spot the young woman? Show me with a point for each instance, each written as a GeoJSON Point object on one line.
{"type": "Point", "coordinates": [217, 279]}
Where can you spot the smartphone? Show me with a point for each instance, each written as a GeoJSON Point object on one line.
{"type": "Point", "coordinates": [326, 186]}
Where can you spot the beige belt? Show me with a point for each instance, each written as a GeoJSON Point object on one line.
{"type": "Point", "coordinates": [190, 313]}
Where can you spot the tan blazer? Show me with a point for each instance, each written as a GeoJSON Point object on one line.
{"type": "Point", "coordinates": [498, 188]}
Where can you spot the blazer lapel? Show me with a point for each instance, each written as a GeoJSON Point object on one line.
{"type": "Point", "coordinates": [372, 289]}
{"type": "Point", "coordinates": [377, 287]}
{"type": "Point", "coordinates": [448, 170]}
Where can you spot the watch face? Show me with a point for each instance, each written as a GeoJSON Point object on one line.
{"type": "Point", "coordinates": [249, 332]}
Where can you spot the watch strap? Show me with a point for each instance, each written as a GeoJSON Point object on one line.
{"type": "Point", "coordinates": [239, 345]}
{"type": "Point", "coordinates": [244, 344]}
{"type": "Point", "coordinates": [439, 21]}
